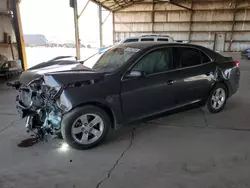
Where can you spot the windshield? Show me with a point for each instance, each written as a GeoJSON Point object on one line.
{"type": "Point", "coordinates": [111, 59]}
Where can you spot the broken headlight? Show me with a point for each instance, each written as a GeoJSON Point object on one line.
{"type": "Point", "coordinates": [52, 87]}
{"type": "Point", "coordinates": [56, 91]}
{"type": "Point", "coordinates": [52, 93]}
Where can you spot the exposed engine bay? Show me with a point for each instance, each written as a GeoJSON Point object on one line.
{"type": "Point", "coordinates": [48, 90]}
{"type": "Point", "coordinates": [39, 103]}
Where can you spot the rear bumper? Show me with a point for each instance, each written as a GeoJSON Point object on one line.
{"type": "Point", "coordinates": [231, 90]}
{"type": "Point", "coordinates": [233, 83]}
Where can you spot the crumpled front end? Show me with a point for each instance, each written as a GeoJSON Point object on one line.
{"type": "Point", "coordinates": [43, 102]}
{"type": "Point", "coordinates": [44, 97]}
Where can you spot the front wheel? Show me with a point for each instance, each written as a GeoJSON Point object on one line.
{"type": "Point", "coordinates": [217, 99]}
{"type": "Point", "coordinates": [85, 127]}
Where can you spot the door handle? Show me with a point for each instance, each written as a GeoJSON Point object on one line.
{"type": "Point", "coordinates": [170, 82]}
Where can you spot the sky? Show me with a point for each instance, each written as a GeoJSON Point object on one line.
{"type": "Point", "coordinates": [54, 19]}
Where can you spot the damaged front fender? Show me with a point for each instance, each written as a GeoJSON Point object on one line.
{"type": "Point", "coordinates": [69, 82]}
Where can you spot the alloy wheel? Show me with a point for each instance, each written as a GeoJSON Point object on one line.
{"type": "Point", "coordinates": [87, 128]}
{"type": "Point", "coordinates": [218, 98]}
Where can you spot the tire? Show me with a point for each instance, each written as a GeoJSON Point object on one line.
{"type": "Point", "coordinates": [80, 131]}
{"type": "Point", "coordinates": [216, 103]}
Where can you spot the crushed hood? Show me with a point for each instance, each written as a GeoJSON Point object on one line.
{"type": "Point", "coordinates": [63, 71]}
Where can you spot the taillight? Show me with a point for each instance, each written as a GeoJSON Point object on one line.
{"type": "Point", "coordinates": [237, 63]}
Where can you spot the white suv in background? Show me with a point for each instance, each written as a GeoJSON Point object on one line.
{"type": "Point", "coordinates": [148, 38]}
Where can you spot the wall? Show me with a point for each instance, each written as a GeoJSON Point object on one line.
{"type": "Point", "coordinates": [202, 26]}
{"type": "Point", "coordinates": [3, 6]}
{"type": "Point", "coordinates": [6, 26]}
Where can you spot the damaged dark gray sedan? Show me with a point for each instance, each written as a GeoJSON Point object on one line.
{"type": "Point", "coordinates": [85, 100]}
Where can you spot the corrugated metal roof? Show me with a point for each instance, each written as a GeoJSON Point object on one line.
{"type": "Point", "coordinates": [115, 5]}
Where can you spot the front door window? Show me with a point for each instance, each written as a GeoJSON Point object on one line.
{"type": "Point", "coordinates": [155, 62]}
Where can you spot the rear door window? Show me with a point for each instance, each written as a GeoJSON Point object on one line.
{"type": "Point", "coordinates": [147, 39]}
{"type": "Point", "coordinates": [186, 57]}
{"type": "Point", "coordinates": [204, 58]}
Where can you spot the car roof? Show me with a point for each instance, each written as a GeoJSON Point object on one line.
{"type": "Point", "coordinates": [166, 36]}
{"type": "Point", "coordinates": [149, 45]}
{"type": "Point", "coordinates": [144, 45]}
{"type": "Point", "coordinates": [148, 36]}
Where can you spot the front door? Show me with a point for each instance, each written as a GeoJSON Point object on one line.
{"type": "Point", "coordinates": [154, 91]}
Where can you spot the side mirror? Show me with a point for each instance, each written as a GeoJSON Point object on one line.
{"type": "Point", "coordinates": [134, 74]}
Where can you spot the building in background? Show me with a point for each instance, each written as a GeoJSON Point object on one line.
{"type": "Point", "coordinates": [33, 40]}
{"type": "Point", "coordinates": [218, 25]}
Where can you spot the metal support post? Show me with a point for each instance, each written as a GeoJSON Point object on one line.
{"type": "Point", "coordinates": [177, 4]}
{"type": "Point", "coordinates": [106, 18]}
{"type": "Point", "coordinates": [233, 24]}
{"type": "Point", "coordinates": [77, 39]}
{"type": "Point", "coordinates": [83, 9]}
{"type": "Point", "coordinates": [190, 21]}
{"type": "Point", "coordinates": [113, 24]}
{"type": "Point", "coordinates": [100, 26]}
{"type": "Point", "coordinates": [17, 25]}
{"type": "Point", "coordinates": [153, 16]}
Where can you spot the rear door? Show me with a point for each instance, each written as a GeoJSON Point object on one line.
{"type": "Point", "coordinates": [196, 74]}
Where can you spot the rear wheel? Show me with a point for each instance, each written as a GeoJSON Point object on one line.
{"type": "Point", "coordinates": [85, 127]}
{"type": "Point", "coordinates": [217, 99]}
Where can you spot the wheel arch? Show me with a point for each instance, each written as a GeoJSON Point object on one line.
{"type": "Point", "coordinates": [225, 84]}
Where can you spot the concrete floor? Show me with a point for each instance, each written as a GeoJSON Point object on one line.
{"type": "Point", "coordinates": [185, 150]}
